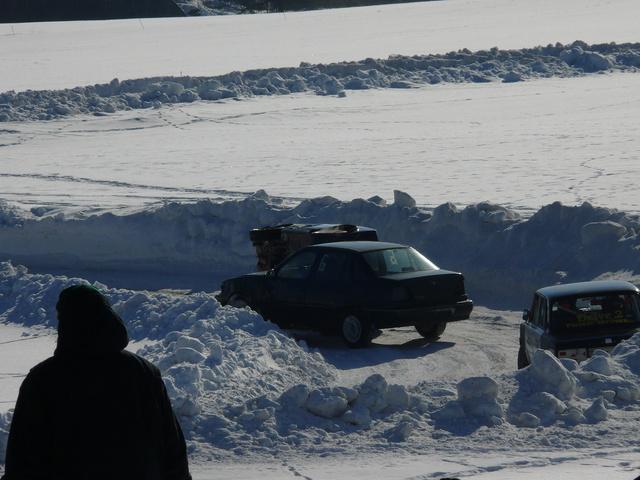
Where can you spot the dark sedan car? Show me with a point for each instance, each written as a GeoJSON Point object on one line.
{"type": "Point", "coordinates": [354, 288]}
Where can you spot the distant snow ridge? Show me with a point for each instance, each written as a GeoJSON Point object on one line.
{"type": "Point", "coordinates": [575, 59]}
{"type": "Point", "coordinates": [504, 257]}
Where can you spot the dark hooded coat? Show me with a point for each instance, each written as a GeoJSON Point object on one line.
{"type": "Point", "coordinates": [93, 410]}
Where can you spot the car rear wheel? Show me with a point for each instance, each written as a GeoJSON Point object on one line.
{"type": "Point", "coordinates": [432, 332]}
{"type": "Point", "coordinates": [356, 331]}
{"type": "Point", "coordinates": [237, 301]}
{"type": "Point", "coordinates": [523, 361]}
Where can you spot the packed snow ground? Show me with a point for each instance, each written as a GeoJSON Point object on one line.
{"type": "Point", "coordinates": [570, 140]}
{"type": "Point", "coordinates": [246, 390]}
{"type": "Point", "coordinates": [66, 55]}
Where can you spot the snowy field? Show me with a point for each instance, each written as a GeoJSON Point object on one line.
{"type": "Point", "coordinates": [568, 140]}
{"type": "Point", "coordinates": [485, 142]}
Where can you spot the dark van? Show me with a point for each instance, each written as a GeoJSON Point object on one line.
{"type": "Point", "coordinates": [574, 319]}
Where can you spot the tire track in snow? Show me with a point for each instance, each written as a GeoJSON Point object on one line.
{"type": "Point", "coordinates": [119, 184]}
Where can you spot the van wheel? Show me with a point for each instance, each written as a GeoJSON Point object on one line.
{"type": "Point", "coordinates": [432, 332]}
{"type": "Point", "coordinates": [356, 331]}
{"type": "Point", "coordinates": [523, 361]}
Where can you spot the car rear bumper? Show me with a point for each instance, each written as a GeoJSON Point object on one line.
{"type": "Point", "coordinates": [582, 348]}
{"type": "Point", "coordinates": [404, 317]}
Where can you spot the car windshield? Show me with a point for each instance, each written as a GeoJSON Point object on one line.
{"type": "Point", "coordinates": [398, 260]}
{"type": "Point", "coordinates": [595, 312]}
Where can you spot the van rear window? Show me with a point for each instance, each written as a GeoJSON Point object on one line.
{"type": "Point", "coordinates": [595, 312]}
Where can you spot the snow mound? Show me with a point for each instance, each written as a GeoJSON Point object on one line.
{"type": "Point", "coordinates": [30, 299]}
{"type": "Point", "coordinates": [477, 404]}
{"type": "Point", "coordinates": [550, 392]}
{"type": "Point", "coordinates": [330, 79]}
{"type": "Point", "coordinates": [628, 354]}
{"type": "Point", "coordinates": [503, 256]}
{"type": "Point", "coordinates": [241, 386]}
{"type": "Point", "coordinates": [232, 355]}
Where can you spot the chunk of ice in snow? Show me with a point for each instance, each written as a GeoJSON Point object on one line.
{"type": "Point", "coordinates": [597, 412]}
{"type": "Point", "coordinates": [358, 415]}
{"type": "Point", "coordinates": [551, 374]}
{"type": "Point", "coordinates": [324, 402]}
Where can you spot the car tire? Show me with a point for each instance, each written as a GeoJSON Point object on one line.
{"type": "Point", "coordinates": [432, 332]}
{"type": "Point", "coordinates": [356, 331]}
{"type": "Point", "coordinates": [237, 301]}
{"type": "Point", "coordinates": [523, 361]}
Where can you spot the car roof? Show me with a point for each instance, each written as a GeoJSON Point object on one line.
{"type": "Point", "coordinates": [359, 246]}
{"type": "Point", "coordinates": [587, 288]}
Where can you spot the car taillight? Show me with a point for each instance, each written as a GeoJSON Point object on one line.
{"type": "Point", "coordinates": [400, 294]}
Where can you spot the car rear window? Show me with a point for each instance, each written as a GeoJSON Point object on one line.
{"type": "Point", "coordinates": [595, 312]}
{"type": "Point", "coordinates": [398, 260]}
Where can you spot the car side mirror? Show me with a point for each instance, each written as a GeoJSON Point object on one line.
{"type": "Point", "coordinates": [525, 315]}
{"type": "Point", "coordinates": [271, 272]}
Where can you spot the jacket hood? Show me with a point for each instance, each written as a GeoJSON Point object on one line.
{"type": "Point", "coordinates": [87, 323]}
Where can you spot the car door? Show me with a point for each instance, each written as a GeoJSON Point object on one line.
{"type": "Point", "coordinates": [328, 289]}
{"type": "Point", "coordinates": [534, 328]}
{"type": "Point", "coordinates": [287, 287]}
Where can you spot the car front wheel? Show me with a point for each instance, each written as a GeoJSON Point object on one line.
{"type": "Point", "coordinates": [432, 332]}
{"type": "Point", "coordinates": [356, 331]}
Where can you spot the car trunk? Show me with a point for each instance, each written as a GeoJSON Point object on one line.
{"type": "Point", "coordinates": [439, 287]}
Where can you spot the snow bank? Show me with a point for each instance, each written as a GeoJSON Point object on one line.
{"type": "Point", "coordinates": [550, 392]}
{"type": "Point", "coordinates": [237, 383]}
{"type": "Point", "coordinates": [241, 386]}
{"type": "Point", "coordinates": [503, 256]}
{"type": "Point", "coordinates": [330, 79]}
{"type": "Point", "coordinates": [30, 299]}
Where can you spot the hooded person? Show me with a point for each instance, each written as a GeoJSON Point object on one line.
{"type": "Point", "coordinates": [94, 410]}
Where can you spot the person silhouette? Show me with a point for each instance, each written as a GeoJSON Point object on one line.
{"type": "Point", "coordinates": [94, 410]}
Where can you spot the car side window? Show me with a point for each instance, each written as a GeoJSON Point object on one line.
{"type": "Point", "coordinates": [298, 267]}
{"type": "Point", "coordinates": [331, 267]}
